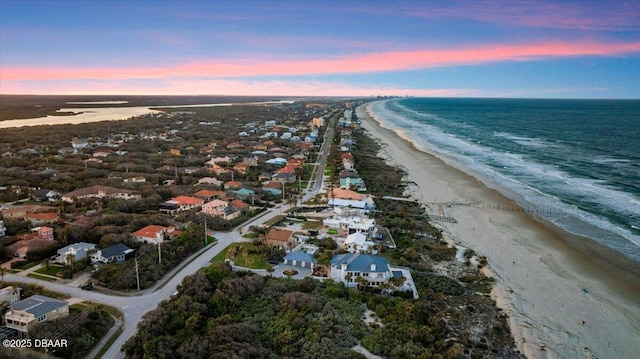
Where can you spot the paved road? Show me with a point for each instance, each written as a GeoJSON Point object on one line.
{"type": "Point", "coordinates": [134, 307]}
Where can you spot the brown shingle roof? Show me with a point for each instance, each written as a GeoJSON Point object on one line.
{"type": "Point", "coordinates": [279, 235]}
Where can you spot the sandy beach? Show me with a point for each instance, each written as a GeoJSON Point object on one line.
{"type": "Point", "coordinates": [84, 115]}
{"type": "Point", "coordinates": [566, 296]}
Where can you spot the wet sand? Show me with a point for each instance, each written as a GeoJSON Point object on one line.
{"type": "Point", "coordinates": [541, 271]}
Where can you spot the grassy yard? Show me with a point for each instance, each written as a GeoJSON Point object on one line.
{"type": "Point", "coordinates": [53, 270]}
{"type": "Point", "coordinates": [274, 220]}
{"type": "Point", "coordinates": [243, 258]}
{"type": "Point", "coordinates": [38, 276]}
{"type": "Point", "coordinates": [312, 224]}
{"type": "Point", "coordinates": [210, 240]}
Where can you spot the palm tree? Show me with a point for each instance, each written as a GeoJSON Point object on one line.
{"type": "Point", "coordinates": [362, 282]}
{"type": "Point", "coordinates": [3, 271]}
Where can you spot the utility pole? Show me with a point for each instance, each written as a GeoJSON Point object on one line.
{"type": "Point", "coordinates": [159, 254]}
{"type": "Point", "coordinates": [137, 275]}
{"type": "Point", "coordinates": [205, 231]}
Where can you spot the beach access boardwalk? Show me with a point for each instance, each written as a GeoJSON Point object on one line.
{"type": "Point", "coordinates": [433, 217]}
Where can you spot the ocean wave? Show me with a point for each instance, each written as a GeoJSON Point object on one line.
{"type": "Point", "coordinates": [562, 196]}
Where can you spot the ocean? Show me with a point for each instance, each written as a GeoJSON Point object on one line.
{"type": "Point", "coordinates": [575, 163]}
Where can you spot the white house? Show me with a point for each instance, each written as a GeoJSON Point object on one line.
{"type": "Point", "coordinates": [78, 251]}
{"type": "Point", "coordinates": [347, 268]}
{"type": "Point", "coordinates": [115, 253]}
{"type": "Point", "coordinates": [357, 243]}
{"type": "Point", "coordinates": [154, 234]}
{"type": "Point", "coordinates": [10, 295]}
{"type": "Point", "coordinates": [353, 224]}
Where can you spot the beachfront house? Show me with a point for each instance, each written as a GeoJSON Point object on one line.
{"type": "Point", "coordinates": [354, 269]}
{"type": "Point", "coordinates": [27, 313]}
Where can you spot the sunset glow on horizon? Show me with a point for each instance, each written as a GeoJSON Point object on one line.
{"type": "Point", "coordinates": [291, 48]}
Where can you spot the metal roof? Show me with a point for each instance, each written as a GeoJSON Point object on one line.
{"type": "Point", "coordinates": [39, 305]}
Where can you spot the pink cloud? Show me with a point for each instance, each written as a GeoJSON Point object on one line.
{"type": "Point", "coordinates": [365, 63]}
{"type": "Point", "coordinates": [223, 87]}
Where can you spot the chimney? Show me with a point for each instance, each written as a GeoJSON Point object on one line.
{"type": "Point", "coordinates": [373, 267]}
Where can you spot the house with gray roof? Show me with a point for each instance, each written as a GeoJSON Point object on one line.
{"type": "Point", "coordinates": [348, 267]}
{"type": "Point", "coordinates": [27, 313]}
{"type": "Point", "coordinates": [116, 253]}
{"type": "Point", "coordinates": [300, 259]}
{"type": "Point", "coordinates": [74, 252]}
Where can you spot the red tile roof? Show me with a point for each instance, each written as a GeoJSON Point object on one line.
{"type": "Point", "coordinates": [188, 200]}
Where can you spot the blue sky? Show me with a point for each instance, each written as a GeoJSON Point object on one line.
{"type": "Point", "coordinates": [568, 49]}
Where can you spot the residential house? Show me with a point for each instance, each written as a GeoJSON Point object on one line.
{"type": "Point", "coordinates": [357, 243]}
{"type": "Point", "coordinates": [350, 179]}
{"type": "Point", "coordinates": [239, 205]}
{"type": "Point", "coordinates": [244, 193]}
{"type": "Point", "coordinates": [3, 229]}
{"type": "Point", "coordinates": [180, 204]}
{"type": "Point", "coordinates": [46, 195]}
{"type": "Point", "coordinates": [74, 252]}
{"type": "Point", "coordinates": [281, 238]}
{"type": "Point", "coordinates": [101, 153]}
{"type": "Point", "coordinates": [210, 181]}
{"type": "Point", "coordinates": [38, 219]}
{"type": "Point", "coordinates": [234, 145]}
{"type": "Point", "coordinates": [241, 168]}
{"type": "Point", "coordinates": [279, 161]}
{"type": "Point", "coordinates": [93, 161]}
{"type": "Point", "coordinates": [27, 313]}
{"type": "Point", "coordinates": [100, 192]}
{"type": "Point", "coordinates": [284, 178]}
{"type": "Point", "coordinates": [135, 179]}
{"type": "Point", "coordinates": [273, 188]}
{"type": "Point", "coordinates": [219, 208]}
{"type": "Point", "coordinates": [10, 295]}
{"type": "Point", "coordinates": [352, 224]}
{"type": "Point", "coordinates": [116, 253]}
{"type": "Point", "coordinates": [317, 122]}
{"type": "Point", "coordinates": [349, 267]}
{"type": "Point", "coordinates": [45, 233]}
{"type": "Point", "coordinates": [208, 195]}
{"type": "Point", "coordinates": [347, 198]}
{"type": "Point", "coordinates": [217, 169]}
{"type": "Point", "coordinates": [300, 259]}
{"type": "Point", "coordinates": [26, 244]}
{"type": "Point", "coordinates": [154, 234]}
{"type": "Point", "coordinates": [232, 185]}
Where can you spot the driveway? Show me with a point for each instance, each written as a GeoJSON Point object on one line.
{"type": "Point", "coordinates": [302, 272]}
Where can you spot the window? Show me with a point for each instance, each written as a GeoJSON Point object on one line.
{"type": "Point", "coordinates": [42, 318]}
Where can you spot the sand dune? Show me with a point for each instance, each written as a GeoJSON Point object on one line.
{"type": "Point", "coordinates": [540, 270]}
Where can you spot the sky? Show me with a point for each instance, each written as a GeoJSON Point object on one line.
{"type": "Point", "coordinates": [496, 48]}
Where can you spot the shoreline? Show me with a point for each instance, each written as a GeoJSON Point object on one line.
{"type": "Point", "coordinates": [540, 269]}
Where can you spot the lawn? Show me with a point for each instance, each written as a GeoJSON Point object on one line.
{"type": "Point", "coordinates": [312, 224]}
{"type": "Point", "coordinates": [52, 271]}
{"type": "Point", "coordinates": [41, 277]}
{"type": "Point", "coordinates": [210, 239]}
{"type": "Point", "coordinates": [275, 220]}
{"type": "Point", "coordinates": [243, 258]}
